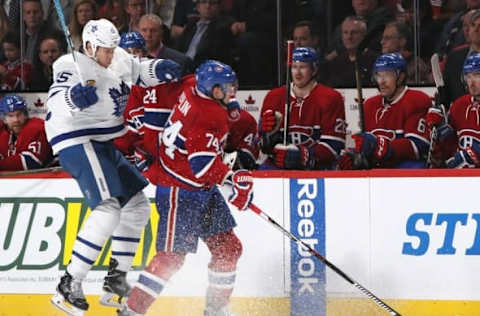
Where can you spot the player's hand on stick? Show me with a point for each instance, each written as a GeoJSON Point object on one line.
{"type": "Point", "coordinates": [351, 160]}
{"type": "Point", "coordinates": [294, 157]}
{"type": "Point", "coordinates": [242, 189]}
{"type": "Point", "coordinates": [143, 160]}
{"type": "Point", "coordinates": [372, 147]}
{"type": "Point", "coordinates": [268, 121]}
{"type": "Point", "coordinates": [167, 70]}
{"type": "Point", "coordinates": [435, 117]}
{"type": "Point", "coordinates": [467, 158]}
{"type": "Point", "coordinates": [83, 96]}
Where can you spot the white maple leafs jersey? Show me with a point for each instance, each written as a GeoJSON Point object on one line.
{"type": "Point", "coordinates": [66, 125]}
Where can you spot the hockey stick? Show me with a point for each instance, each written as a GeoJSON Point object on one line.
{"type": "Point", "coordinates": [440, 85]}
{"type": "Point", "coordinates": [287, 91]}
{"type": "Point", "coordinates": [337, 270]}
{"type": "Point", "coordinates": [30, 171]}
{"type": "Point", "coordinates": [61, 18]}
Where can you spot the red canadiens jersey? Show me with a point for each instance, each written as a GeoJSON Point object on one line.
{"type": "Point", "coordinates": [401, 122]}
{"type": "Point", "coordinates": [317, 120]}
{"type": "Point", "coordinates": [243, 134]}
{"type": "Point", "coordinates": [464, 118]}
{"type": "Point", "coordinates": [146, 114]}
{"type": "Point", "coordinates": [28, 150]}
{"type": "Point", "coordinates": [16, 77]}
{"type": "Point", "coordinates": [192, 144]}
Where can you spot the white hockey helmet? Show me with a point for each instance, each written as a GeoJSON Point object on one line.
{"type": "Point", "coordinates": [101, 33]}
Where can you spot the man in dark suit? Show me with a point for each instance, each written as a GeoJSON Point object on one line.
{"type": "Point", "coordinates": [209, 37]}
{"type": "Point", "coordinates": [150, 26]}
{"type": "Point", "coordinates": [455, 87]}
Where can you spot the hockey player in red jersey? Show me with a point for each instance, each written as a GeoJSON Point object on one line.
{"type": "Point", "coordinates": [23, 143]}
{"type": "Point", "coordinates": [459, 135]}
{"type": "Point", "coordinates": [395, 133]}
{"type": "Point", "coordinates": [316, 131]}
{"type": "Point", "coordinates": [187, 197]}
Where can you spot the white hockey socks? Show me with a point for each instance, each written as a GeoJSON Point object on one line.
{"type": "Point", "coordinates": [91, 238]}
{"type": "Point", "coordinates": [126, 236]}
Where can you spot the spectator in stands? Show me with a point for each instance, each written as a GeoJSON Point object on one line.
{"type": "Point", "coordinates": [164, 9]}
{"type": "Point", "coordinates": [207, 38]}
{"type": "Point", "coordinates": [135, 9]}
{"type": "Point", "coordinates": [4, 28]}
{"type": "Point", "coordinates": [23, 143]}
{"type": "Point", "coordinates": [341, 70]}
{"type": "Point", "coordinates": [14, 74]}
{"type": "Point", "coordinates": [184, 12]}
{"type": "Point", "coordinates": [113, 10]}
{"type": "Point", "coordinates": [152, 31]}
{"type": "Point", "coordinates": [50, 13]}
{"type": "Point", "coordinates": [35, 27]}
{"type": "Point", "coordinates": [452, 35]}
{"type": "Point", "coordinates": [83, 11]}
{"type": "Point", "coordinates": [254, 30]}
{"type": "Point", "coordinates": [454, 86]}
{"type": "Point", "coordinates": [50, 49]}
{"type": "Point", "coordinates": [375, 16]}
{"type": "Point", "coordinates": [395, 38]}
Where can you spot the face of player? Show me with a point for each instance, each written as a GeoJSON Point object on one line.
{"type": "Point", "coordinates": [151, 32]}
{"type": "Point", "coordinates": [49, 51]}
{"type": "Point", "coordinates": [387, 83]}
{"type": "Point", "coordinates": [84, 13]}
{"type": "Point", "coordinates": [353, 33]}
{"type": "Point", "coordinates": [32, 14]}
{"type": "Point", "coordinates": [391, 41]}
{"type": "Point", "coordinates": [104, 56]}
{"type": "Point", "coordinates": [303, 38]}
{"type": "Point", "coordinates": [15, 121]}
{"type": "Point", "coordinates": [224, 97]}
{"type": "Point", "coordinates": [302, 74]}
{"type": "Point", "coordinates": [11, 51]}
{"type": "Point", "coordinates": [474, 32]}
{"type": "Point", "coordinates": [136, 51]}
{"type": "Point", "coordinates": [473, 83]}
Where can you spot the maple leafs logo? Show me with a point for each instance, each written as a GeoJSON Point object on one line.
{"type": "Point", "coordinates": [119, 98]}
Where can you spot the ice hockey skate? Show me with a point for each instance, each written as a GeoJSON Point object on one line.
{"type": "Point", "coordinates": [115, 286]}
{"type": "Point", "coordinates": [69, 297]}
{"type": "Point", "coordinates": [125, 311]}
{"type": "Point", "coordinates": [218, 312]}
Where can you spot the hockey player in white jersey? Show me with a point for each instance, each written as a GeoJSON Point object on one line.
{"type": "Point", "coordinates": [84, 115]}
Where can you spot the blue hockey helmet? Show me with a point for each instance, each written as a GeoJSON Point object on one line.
{"type": "Point", "coordinates": [306, 55]}
{"type": "Point", "coordinates": [132, 39]}
{"type": "Point", "coordinates": [213, 73]}
{"type": "Point", "coordinates": [390, 61]}
{"type": "Point", "coordinates": [472, 64]}
{"type": "Point", "coordinates": [12, 102]}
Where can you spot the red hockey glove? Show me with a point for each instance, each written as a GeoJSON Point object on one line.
{"type": "Point", "coordinates": [294, 157]}
{"type": "Point", "coordinates": [242, 189]}
{"type": "Point", "coordinates": [435, 117]}
{"type": "Point", "coordinates": [371, 146]}
{"type": "Point", "coordinates": [268, 121]}
{"type": "Point", "coordinates": [350, 160]}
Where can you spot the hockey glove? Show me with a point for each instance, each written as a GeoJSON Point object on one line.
{"type": "Point", "coordinates": [242, 189]}
{"type": "Point", "coordinates": [435, 116]}
{"type": "Point", "coordinates": [143, 160]}
{"type": "Point", "coordinates": [167, 70]}
{"type": "Point", "coordinates": [83, 96]}
{"type": "Point", "coordinates": [467, 158]}
{"type": "Point", "coordinates": [350, 160]}
{"type": "Point", "coordinates": [372, 147]}
{"type": "Point", "coordinates": [294, 157]}
{"type": "Point", "coordinates": [268, 121]}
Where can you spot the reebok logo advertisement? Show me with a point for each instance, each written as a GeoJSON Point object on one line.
{"type": "Point", "coordinates": [307, 222]}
